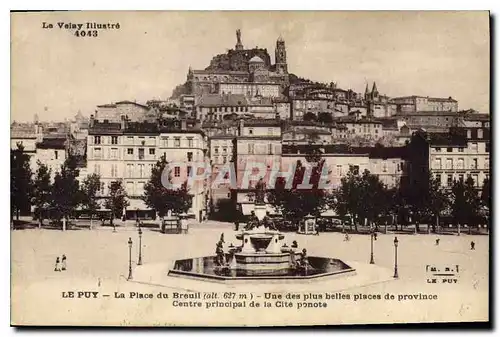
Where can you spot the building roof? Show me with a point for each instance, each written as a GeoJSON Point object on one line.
{"type": "Point", "coordinates": [449, 99]}
{"type": "Point", "coordinates": [482, 117]}
{"type": "Point", "coordinates": [134, 103]}
{"type": "Point", "coordinates": [256, 59]}
{"type": "Point", "coordinates": [52, 143]}
{"type": "Point", "coordinates": [223, 100]}
{"type": "Point", "coordinates": [308, 131]}
{"type": "Point", "coordinates": [447, 139]}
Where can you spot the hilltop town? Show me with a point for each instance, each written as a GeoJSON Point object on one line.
{"type": "Point", "coordinates": [242, 107]}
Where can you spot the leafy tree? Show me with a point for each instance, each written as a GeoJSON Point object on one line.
{"type": "Point", "coordinates": [362, 197]}
{"type": "Point", "coordinates": [117, 200]}
{"type": "Point", "coordinates": [485, 195]}
{"type": "Point", "coordinates": [310, 117]}
{"type": "Point", "coordinates": [65, 191]}
{"type": "Point", "coordinates": [161, 198]}
{"type": "Point", "coordinates": [296, 202]}
{"type": "Point", "coordinates": [90, 188]}
{"type": "Point", "coordinates": [348, 198]}
{"type": "Point", "coordinates": [436, 200]}
{"type": "Point", "coordinates": [466, 201]}
{"type": "Point", "coordinates": [325, 117]}
{"type": "Point", "coordinates": [20, 181]}
{"type": "Point", "coordinates": [42, 190]}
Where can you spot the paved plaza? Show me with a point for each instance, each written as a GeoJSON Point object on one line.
{"type": "Point", "coordinates": [98, 261]}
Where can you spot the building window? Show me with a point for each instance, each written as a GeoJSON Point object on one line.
{"type": "Point", "coordinates": [461, 177]}
{"type": "Point", "coordinates": [216, 150]}
{"type": "Point", "coordinates": [190, 142]}
{"type": "Point", "coordinates": [384, 167]}
{"type": "Point", "coordinates": [487, 147]}
{"type": "Point", "coordinates": [250, 131]}
{"type": "Point", "coordinates": [460, 149]}
{"type": "Point", "coordinates": [269, 148]}
{"type": "Point", "coordinates": [190, 156]}
{"type": "Point", "coordinates": [469, 134]}
{"type": "Point", "coordinates": [216, 160]}
{"type": "Point", "coordinates": [177, 171]}
{"type": "Point", "coordinates": [130, 170]}
{"type": "Point", "coordinates": [251, 148]}
{"type": "Point", "coordinates": [438, 149]}
{"type": "Point", "coordinates": [473, 147]}
{"type": "Point", "coordinates": [141, 170]}
{"type": "Point", "coordinates": [461, 165]}
{"type": "Point", "coordinates": [270, 131]}
{"type": "Point", "coordinates": [438, 178]}
{"type": "Point", "coordinates": [152, 152]}
{"type": "Point", "coordinates": [437, 163]}
{"type": "Point", "coordinates": [449, 149]}
{"type": "Point", "coordinates": [164, 141]}
{"type": "Point", "coordinates": [114, 140]}
{"type": "Point", "coordinates": [476, 180]}
{"type": "Point", "coordinates": [130, 188]}
{"type": "Point", "coordinates": [114, 153]}
{"type": "Point", "coordinates": [339, 170]}
{"type": "Point", "coordinates": [56, 154]}
{"type": "Point", "coordinates": [97, 153]}
{"type": "Point", "coordinates": [480, 133]}
{"type": "Point", "coordinates": [474, 164]}
{"type": "Point", "coordinates": [102, 189]}
{"type": "Point", "coordinates": [224, 159]}
{"type": "Point", "coordinates": [130, 151]}
{"type": "Point", "coordinates": [141, 153]}
{"type": "Point", "coordinates": [486, 163]}
{"type": "Point", "coordinates": [449, 180]}
{"type": "Point", "coordinates": [189, 169]}
{"type": "Point", "coordinates": [177, 142]}
{"type": "Point", "coordinates": [114, 170]}
{"type": "Point", "coordinates": [97, 169]}
{"type": "Point", "coordinates": [224, 150]}
{"type": "Point", "coordinates": [449, 163]}
{"type": "Point", "coordinates": [97, 140]}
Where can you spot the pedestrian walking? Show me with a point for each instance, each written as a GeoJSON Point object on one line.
{"type": "Point", "coordinates": [472, 245]}
{"type": "Point", "coordinates": [58, 265]}
{"type": "Point", "coordinates": [346, 237]}
{"type": "Point", "coordinates": [63, 262]}
{"type": "Point", "coordinates": [437, 242]}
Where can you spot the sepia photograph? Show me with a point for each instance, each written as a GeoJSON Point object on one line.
{"type": "Point", "coordinates": [250, 168]}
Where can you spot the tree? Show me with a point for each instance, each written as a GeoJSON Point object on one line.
{"type": "Point", "coordinates": [466, 201]}
{"type": "Point", "coordinates": [361, 196]}
{"type": "Point", "coordinates": [348, 199]}
{"type": "Point", "coordinates": [485, 196]}
{"type": "Point", "coordinates": [436, 200]}
{"type": "Point", "coordinates": [20, 181]}
{"type": "Point", "coordinates": [296, 202]}
{"type": "Point", "coordinates": [325, 117]}
{"type": "Point", "coordinates": [65, 191]}
{"type": "Point", "coordinates": [117, 200]}
{"type": "Point", "coordinates": [91, 185]}
{"type": "Point", "coordinates": [42, 190]}
{"type": "Point", "coordinates": [310, 117]}
{"type": "Point", "coordinates": [161, 198]}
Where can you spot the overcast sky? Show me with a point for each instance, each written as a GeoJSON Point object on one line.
{"type": "Point", "coordinates": [55, 73]}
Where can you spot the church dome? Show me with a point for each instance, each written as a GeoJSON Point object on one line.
{"type": "Point", "coordinates": [256, 59]}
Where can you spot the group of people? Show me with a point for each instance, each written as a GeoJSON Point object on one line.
{"type": "Point", "coordinates": [60, 263]}
{"type": "Point", "coordinates": [472, 244]}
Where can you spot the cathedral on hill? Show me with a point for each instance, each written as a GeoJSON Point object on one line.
{"type": "Point", "coordinates": [242, 71]}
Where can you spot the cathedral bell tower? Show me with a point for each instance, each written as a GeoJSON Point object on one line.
{"type": "Point", "coordinates": [280, 56]}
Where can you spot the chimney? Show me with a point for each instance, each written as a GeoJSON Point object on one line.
{"type": "Point", "coordinates": [122, 122]}
{"type": "Point", "coordinates": [91, 121]}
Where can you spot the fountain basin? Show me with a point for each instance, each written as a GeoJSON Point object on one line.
{"type": "Point", "coordinates": [205, 268]}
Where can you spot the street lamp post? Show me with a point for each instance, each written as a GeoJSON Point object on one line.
{"type": "Point", "coordinates": [129, 259]}
{"type": "Point", "coordinates": [372, 261]}
{"type": "Point", "coordinates": [139, 262]}
{"type": "Point", "coordinates": [396, 257]}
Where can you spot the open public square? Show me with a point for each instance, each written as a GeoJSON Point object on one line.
{"type": "Point", "coordinates": [97, 260]}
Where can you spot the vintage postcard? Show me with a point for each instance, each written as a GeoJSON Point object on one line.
{"type": "Point", "coordinates": [250, 168]}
